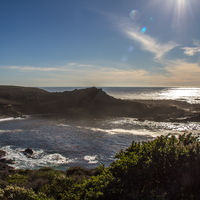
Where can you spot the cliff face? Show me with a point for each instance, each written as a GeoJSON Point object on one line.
{"type": "Point", "coordinates": [90, 102]}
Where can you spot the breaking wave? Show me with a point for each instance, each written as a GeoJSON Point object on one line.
{"type": "Point", "coordinates": [37, 160]}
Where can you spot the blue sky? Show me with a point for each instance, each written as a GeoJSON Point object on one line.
{"type": "Point", "coordinates": [100, 43]}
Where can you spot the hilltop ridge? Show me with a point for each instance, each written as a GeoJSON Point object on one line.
{"type": "Point", "coordinates": [89, 102]}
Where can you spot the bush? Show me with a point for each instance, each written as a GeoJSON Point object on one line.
{"type": "Point", "coordinates": [17, 179]}
{"type": "Point", "coordinates": [166, 168]}
{"type": "Point", "coordinates": [60, 188]}
{"type": "Point", "coordinates": [19, 193]}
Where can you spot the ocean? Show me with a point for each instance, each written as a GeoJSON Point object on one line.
{"type": "Point", "coordinates": [190, 95]}
{"type": "Point", "coordinates": [61, 143]}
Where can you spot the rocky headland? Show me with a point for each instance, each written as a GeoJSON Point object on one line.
{"type": "Point", "coordinates": [90, 102]}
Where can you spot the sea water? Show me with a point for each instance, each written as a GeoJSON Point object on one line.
{"type": "Point", "coordinates": [88, 143]}
{"type": "Point", "coordinates": [190, 95]}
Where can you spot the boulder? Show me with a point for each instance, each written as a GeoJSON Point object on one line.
{"type": "Point", "coordinates": [5, 161]}
{"type": "Point", "coordinates": [28, 151]}
{"type": "Point", "coordinates": [2, 153]}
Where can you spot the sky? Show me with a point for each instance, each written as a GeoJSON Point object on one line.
{"type": "Point", "coordinates": [147, 43]}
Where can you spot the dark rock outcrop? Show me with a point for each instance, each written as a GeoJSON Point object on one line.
{"type": "Point", "coordinates": [2, 154]}
{"type": "Point", "coordinates": [4, 168]}
{"type": "Point", "coordinates": [5, 161]}
{"type": "Point", "coordinates": [28, 152]}
{"type": "Point", "coordinates": [90, 102]}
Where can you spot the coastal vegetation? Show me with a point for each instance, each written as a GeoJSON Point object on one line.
{"type": "Point", "coordinates": [166, 168]}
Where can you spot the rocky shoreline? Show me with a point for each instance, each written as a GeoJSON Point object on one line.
{"type": "Point", "coordinates": [90, 103]}
{"type": "Point", "coordinates": [5, 169]}
{"type": "Point", "coordinates": [5, 163]}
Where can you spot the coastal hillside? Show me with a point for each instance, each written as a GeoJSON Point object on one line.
{"type": "Point", "coordinates": [166, 168]}
{"type": "Point", "coordinates": [90, 102]}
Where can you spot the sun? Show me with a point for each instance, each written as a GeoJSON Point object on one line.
{"type": "Point", "coordinates": [181, 6]}
{"type": "Point", "coordinates": [178, 9]}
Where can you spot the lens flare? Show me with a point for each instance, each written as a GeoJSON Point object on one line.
{"type": "Point", "coordinates": [144, 29]}
{"type": "Point", "coordinates": [134, 15]}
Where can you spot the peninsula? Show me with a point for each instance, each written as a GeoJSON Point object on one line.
{"type": "Point", "coordinates": [92, 102]}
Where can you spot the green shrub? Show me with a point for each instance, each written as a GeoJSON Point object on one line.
{"type": "Point", "coordinates": [95, 187]}
{"type": "Point", "coordinates": [166, 168]}
{"type": "Point", "coordinates": [59, 188]}
{"type": "Point", "coordinates": [17, 179]}
{"type": "Point", "coordinates": [19, 193]}
{"type": "Point", "coordinates": [1, 193]}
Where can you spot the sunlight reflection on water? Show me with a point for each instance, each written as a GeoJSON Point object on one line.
{"type": "Point", "coordinates": [191, 95]}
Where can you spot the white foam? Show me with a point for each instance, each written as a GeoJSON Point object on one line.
{"type": "Point", "coordinates": [133, 126]}
{"type": "Point", "coordinates": [38, 159]}
{"type": "Point", "coordinates": [11, 131]}
{"type": "Point", "coordinates": [10, 119]}
{"type": "Point", "coordinates": [159, 126]}
{"type": "Point", "coordinates": [125, 131]}
{"type": "Point", "coordinates": [91, 159]}
{"type": "Point", "coordinates": [63, 125]}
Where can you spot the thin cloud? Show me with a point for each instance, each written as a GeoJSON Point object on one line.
{"type": "Point", "coordinates": [147, 43]}
{"type": "Point", "coordinates": [30, 68]}
{"type": "Point", "coordinates": [151, 44]}
{"type": "Point", "coordinates": [191, 51]}
{"type": "Point", "coordinates": [67, 67]}
{"type": "Point", "coordinates": [179, 73]}
{"type": "Point", "coordinates": [182, 73]}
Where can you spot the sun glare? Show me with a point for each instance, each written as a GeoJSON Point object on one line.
{"type": "Point", "coordinates": [178, 8]}
{"type": "Point", "coordinates": [190, 94]}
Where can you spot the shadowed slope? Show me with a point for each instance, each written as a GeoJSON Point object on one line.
{"type": "Point", "coordinates": [89, 102]}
